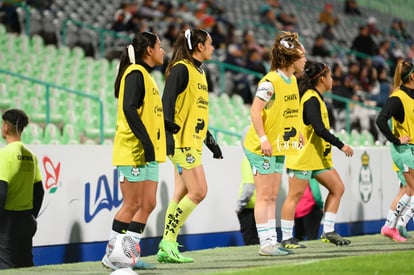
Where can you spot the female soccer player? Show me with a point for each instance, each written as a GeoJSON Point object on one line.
{"type": "Point", "coordinates": [139, 143]}
{"type": "Point", "coordinates": [399, 108]}
{"type": "Point", "coordinates": [273, 133]}
{"type": "Point", "coordinates": [185, 101]}
{"type": "Point", "coordinates": [315, 158]}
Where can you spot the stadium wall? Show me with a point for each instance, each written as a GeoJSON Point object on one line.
{"type": "Point", "coordinates": [82, 196]}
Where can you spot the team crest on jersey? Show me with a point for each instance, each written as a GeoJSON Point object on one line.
{"type": "Point", "coordinates": [266, 164]}
{"type": "Point", "coordinates": [135, 171]}
{"type": "Point", "coordinates": [189, 158]}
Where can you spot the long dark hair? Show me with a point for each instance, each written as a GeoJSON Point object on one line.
{"type": "Point", "coordinates": [312, 73]}
{"type": "Point", "coordinates": [185, 45]}
{"type": "Point", "coordinates": [139, 43]}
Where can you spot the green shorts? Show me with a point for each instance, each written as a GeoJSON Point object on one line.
{"type": "Point", "coordinates": [265, 165]}
{"type": "Point", "coordinates": [403, 156]}
{"type": "Point", "coordinates": [306, 174]}
{"type": "Point", "coordinates": [149, 171]}
{"type": "Point", "coordinates": [186, 158]}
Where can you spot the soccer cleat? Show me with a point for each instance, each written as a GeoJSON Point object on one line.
{"type": "Point", "coordinates": [140, 265]}
{"type": "Point", "coordinates": [107, 264]}
{"type": "Point", "coordinates": [334, 238]}
{"type": "Point", "coordinates": [168, 253]}
{"type": "Point", "coordinates": [392, 233]}
{"type": "Point", "coordinates": [292, 243]}
{"type": "Point", "coordinates": [403, 232]}
{"type": "Point", "coordinates": [273, 250]}
{"type": "Point", "coordinates": [125, 253]}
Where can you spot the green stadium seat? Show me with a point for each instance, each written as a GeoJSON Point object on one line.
{"type": "Point", "coordinates": [52, 134]}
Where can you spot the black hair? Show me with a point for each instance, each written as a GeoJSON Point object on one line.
{"type": "Point", "coordinates": [140, 43]}
{"type": "Point", "coordinates": [182, 48]}
{"type": "Point", "coordinates": [17, 118]}
{"type": "Point", "coordinates": [312, 73]}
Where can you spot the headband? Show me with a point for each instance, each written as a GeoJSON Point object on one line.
{"type": "Point", "coordinates": [320, 73]}
{"type": "Point", "coordinates": [187, 35]}
{"type": "Point", "coordinates": [410, 72]}
{"type": "Point", "coordinates": [287, 43]}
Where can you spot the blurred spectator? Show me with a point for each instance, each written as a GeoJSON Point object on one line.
{"type": "Point", "coordinates": [123, 15]}
{"type": "Point", "coordinates": [372, 26]}
{"type": "Point", "coordinates": [319, 47]}
{"type": "Point", "coordinates": [268, 18]}
{"type": "Point", "coordinates": [151, 12]}
{"type": "Point", "coordinates": [171, 34]}
{"type": "Point", "coordinates": [214, 8]}
{"type": "Point", "coordinates": [363, 43]}
{"type": "Point", "coordinates": [351, 7]}
{"type": "Point", "coordinates": [328, 33]}
{"type": "Point", "coordinates": [381, 58]}
{"type": "Point", "coordinates": [399, 32]}
{"type": "Point", "coordinates": [186, 15]}
{"type": "Point", "coordinates": [327, 17]}
{"type": "Point", "coordinates": [11, 18]}
{"type": "Point", "coordinates": [218, 35]}
{"type": "Point", "coordinates": [288, 22]}
{"type": "Point", "coordinates": [339, 88]}
{"type": "Point", "coordinates": [250, 43]}
{"type": "Point", "coordinates": [384, 90]}
{"type": "Point", "coordinates": [410, 53]}
{"type": "Point", "coordinates": [254, 62]}
{"type": "Point", "coordinates": [40, 5]}
{"type": "Point", "coordinates": [240, 83]}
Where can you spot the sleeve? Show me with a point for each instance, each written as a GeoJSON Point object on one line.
{"type": "Point", "coordinates": [265, 91]}
{"type": "Point", "coordinates": [312, 115]}
{"type": "Point", "coordinates": [38, 194]}
{"type": "Point", "coordinates": [175, 84]}
{"type": "Point", "coordinates": [134, 94]}
{"type": "Point", "coordinates": [392, 108]}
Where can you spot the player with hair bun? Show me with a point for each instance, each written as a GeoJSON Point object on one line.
{"type": "Point", "coordinates": [185, 101]}
{"type": "Point", "coordinates": [274, 133]}
{"type": "Point", "coordinates": [314, 160]}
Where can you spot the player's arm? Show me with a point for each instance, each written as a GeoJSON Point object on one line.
{"type": "Point", "coordinates": [175, 84]}
{"type": "Point", "coordinates": [3, 195]}
{"type": "Point", "coordinates": [134, 94]}
{"type": "Point", "coordinates": [312, 115]}
{"type": "Point", "coordinates": [264, 93]}
{"type": "Point", "coordinates": [38, 194]}
{"type": "Point", "coordinates": [393, 108]}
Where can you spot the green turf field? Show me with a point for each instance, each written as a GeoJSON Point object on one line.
{"type": "Point", "coordinates": [371, 254]}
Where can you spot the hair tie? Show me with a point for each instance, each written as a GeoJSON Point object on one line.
{"type": "Point", "coordinates": [131, 53]}
{"type": "Point", "coordinates": [287, 43]}
{"type": "Point", "coordinates": [187, 35]}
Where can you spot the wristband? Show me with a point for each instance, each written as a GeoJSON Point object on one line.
{"type": "Point", "coordinates": [263, 138]}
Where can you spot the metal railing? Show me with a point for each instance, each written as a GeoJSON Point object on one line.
{"type": "Point", "coordinates": [48, 86]}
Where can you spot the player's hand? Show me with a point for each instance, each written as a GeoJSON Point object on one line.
{"type": "Point", "coordinates": [266, 148]}
{"type": "Point", "coordinates": [405, 139]}
{"type": "Point", "coordinates": [349, 152]}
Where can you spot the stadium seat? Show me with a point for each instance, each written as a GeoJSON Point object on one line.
{"type": "Point", "coordinates": [52, 134]}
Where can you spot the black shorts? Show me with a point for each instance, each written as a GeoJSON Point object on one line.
{"type": "Point", "coordinates": [17, 229]}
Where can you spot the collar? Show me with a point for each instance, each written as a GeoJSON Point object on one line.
{"type": "Point", "coordinates": [146, 66]}
{"type": "Point", "coordinates": [284, 77]}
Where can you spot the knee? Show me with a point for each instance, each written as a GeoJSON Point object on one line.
{"type": "Point", "coordinates": [198, 196]}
